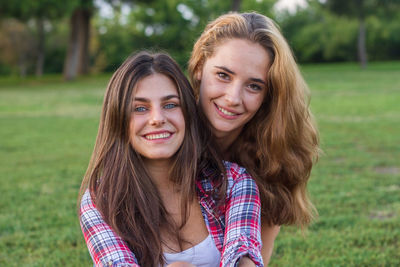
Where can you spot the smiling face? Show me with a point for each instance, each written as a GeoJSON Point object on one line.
{"type": "Point", "coordinates": [157, 125]}
{"type": "Point", "coordinates": [233, 86]}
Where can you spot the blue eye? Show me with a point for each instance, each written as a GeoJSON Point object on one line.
{"type": "Point", "coordinates": [140, 109]}
{"type": "Point", "coordinates": [170, 105]}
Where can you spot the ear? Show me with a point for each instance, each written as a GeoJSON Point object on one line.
{"type": "Point", "coordinates": [198, 73]}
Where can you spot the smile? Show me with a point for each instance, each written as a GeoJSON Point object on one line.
{"type": "Point", "coordinates": [226, 112]}
{"type": "Point", "coordinates": [164, 135]}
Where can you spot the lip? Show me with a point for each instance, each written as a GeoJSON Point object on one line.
{"type": "Point", "coordinates": [225, 116]}
{"type": "Point", "coordinates": [160, 139]}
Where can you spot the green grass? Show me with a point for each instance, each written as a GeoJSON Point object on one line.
{"type": "Point", "coordinates": [46, 137]}
{"type": "Point", "coordinates": [47, 132]}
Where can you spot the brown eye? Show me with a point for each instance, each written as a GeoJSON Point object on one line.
{"type": "Point", "coordinates": [255, 87]}
{"type": "Point", "coordinates": [223, 75]}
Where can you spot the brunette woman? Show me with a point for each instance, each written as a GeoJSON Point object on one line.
{"type": "Point", "coordinates": [158, 186]}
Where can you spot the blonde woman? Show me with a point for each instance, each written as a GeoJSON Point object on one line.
{"type": "Point", "coordinates": [256, 102]}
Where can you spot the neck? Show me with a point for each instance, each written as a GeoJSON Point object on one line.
{"type": "Point", "coordinates": [158, 170]}
{"type": "Point", "coordinates": [224, 141]}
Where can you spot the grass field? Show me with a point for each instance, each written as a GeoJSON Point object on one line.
{"type": "Point", "coordinates": [47, 131]}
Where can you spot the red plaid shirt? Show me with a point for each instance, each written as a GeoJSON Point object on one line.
{"type": "Point", "coordinates": [234, 227]}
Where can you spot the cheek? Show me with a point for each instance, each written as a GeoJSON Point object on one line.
{"type": "Point", "coordinates": [208, 87]}
{"type": "Point", "coordinates": [210, 92]}
{"type": "Point", "coordinates": [131, 129]}
{"type": "Point", "coordinates": [254, 103]}
{"type": "Point", "coordinates": [135, 125]}
{"type": "Point", "coordinates": [178, 120]}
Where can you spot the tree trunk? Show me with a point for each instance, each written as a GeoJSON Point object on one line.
{"type": "Point", "coordinates": [22, 64]}
{"type": "Point", "coordinates": [40, 47]}
{"type": "Point", "coordinates": [77, 59]}
{"type": "Point", "coordinates": [20, 41]}
{"type": "Point", "coordinates": [361, 45]}
{"type": "Point", "coordinates": [236, 5]}
{"type": "Point", "coordinates": [85, 37]}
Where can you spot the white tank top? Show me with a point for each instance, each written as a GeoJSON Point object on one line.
{"type": "Point", "coordinates": [204, 254]}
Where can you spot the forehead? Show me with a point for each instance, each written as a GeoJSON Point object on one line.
{"type": "Point", "coordinates": [241, 56]}
{"type": "Point", "coordinates": [155, 86]}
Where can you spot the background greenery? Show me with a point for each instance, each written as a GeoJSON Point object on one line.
{"type": "Point", "coordinates": [48, 129]}
{"type": "Point", "coordinates": [323, 31]}
{"type": "Point", "coordinates": [48, 126]}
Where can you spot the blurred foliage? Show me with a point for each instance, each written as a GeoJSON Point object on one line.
{"type": "Point", "coordinates": [316, 34]}
{"type": "Point", "coordinates": [40, 16]}
{"type": "Point", "coordinates": [171, 26]}
{"type": "Point", "coordinates": [16, 39]}
{"type": "Point", "coordinates": [27, 9]}
{"type": "Point", "coordinates": [358, 8]}
{"type": "Point", "coordinates": [18, 46]}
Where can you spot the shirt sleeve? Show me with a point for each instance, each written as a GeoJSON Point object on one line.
{"type": "Point", "coordinates": [105, 247]}
{"type": "Point", "coordinates": [242, 219]}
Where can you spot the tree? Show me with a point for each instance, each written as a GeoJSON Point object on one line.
{"type": "Point", "coordinates": [15, 45]}
{"type": "Point", "coordinates": [359, 9]}
{"type": "Point", "coordinates": [77, 57]}
{"type": "Point", "coordinates": [236, 5]}
{"type": "Point", "coordinates": [39, 11]}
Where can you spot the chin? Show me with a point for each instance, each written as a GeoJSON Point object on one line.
{"type": "Point", "coordinates": [224, 130]}
{"type": "Point", "coordinates": [160, 156]}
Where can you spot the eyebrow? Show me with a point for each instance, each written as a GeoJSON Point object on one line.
{"type": "Point", "coordinates": [225, 69]}
{"type": "Point", "coordinates": [233, 73]}
{"type": "Point", "coordinates": [167, 97]}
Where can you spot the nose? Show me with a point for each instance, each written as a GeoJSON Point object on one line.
{"type": "Point", "coordinates": [233, 94]}
{"type": "Point", "coordinates": [157, 117]}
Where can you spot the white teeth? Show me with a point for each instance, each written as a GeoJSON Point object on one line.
{"type": "Point", "coordinates": [157, 136]}
{"type": "Point", "coordinates": [226, 112]}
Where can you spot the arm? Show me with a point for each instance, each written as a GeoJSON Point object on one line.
{"type": "Point", "coordinates": [268, 235]}
{"type": "Point", "coordinates": [242, 242]}
{"type": "Point", "coordinates": [105, 247]}
{"type": "Point", "coordinates": [246, 262]}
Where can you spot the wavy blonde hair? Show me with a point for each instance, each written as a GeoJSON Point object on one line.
{"type": "Point", "coordinates": [279, 144]}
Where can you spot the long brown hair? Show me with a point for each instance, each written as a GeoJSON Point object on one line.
{"type": "Point", "coordinates": [116, 176]}
{"type": "Point", "coordinates": [279, 144]}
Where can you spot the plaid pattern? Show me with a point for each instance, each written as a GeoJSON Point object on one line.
{"type": "Point", "coordinates": [234, 227]}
